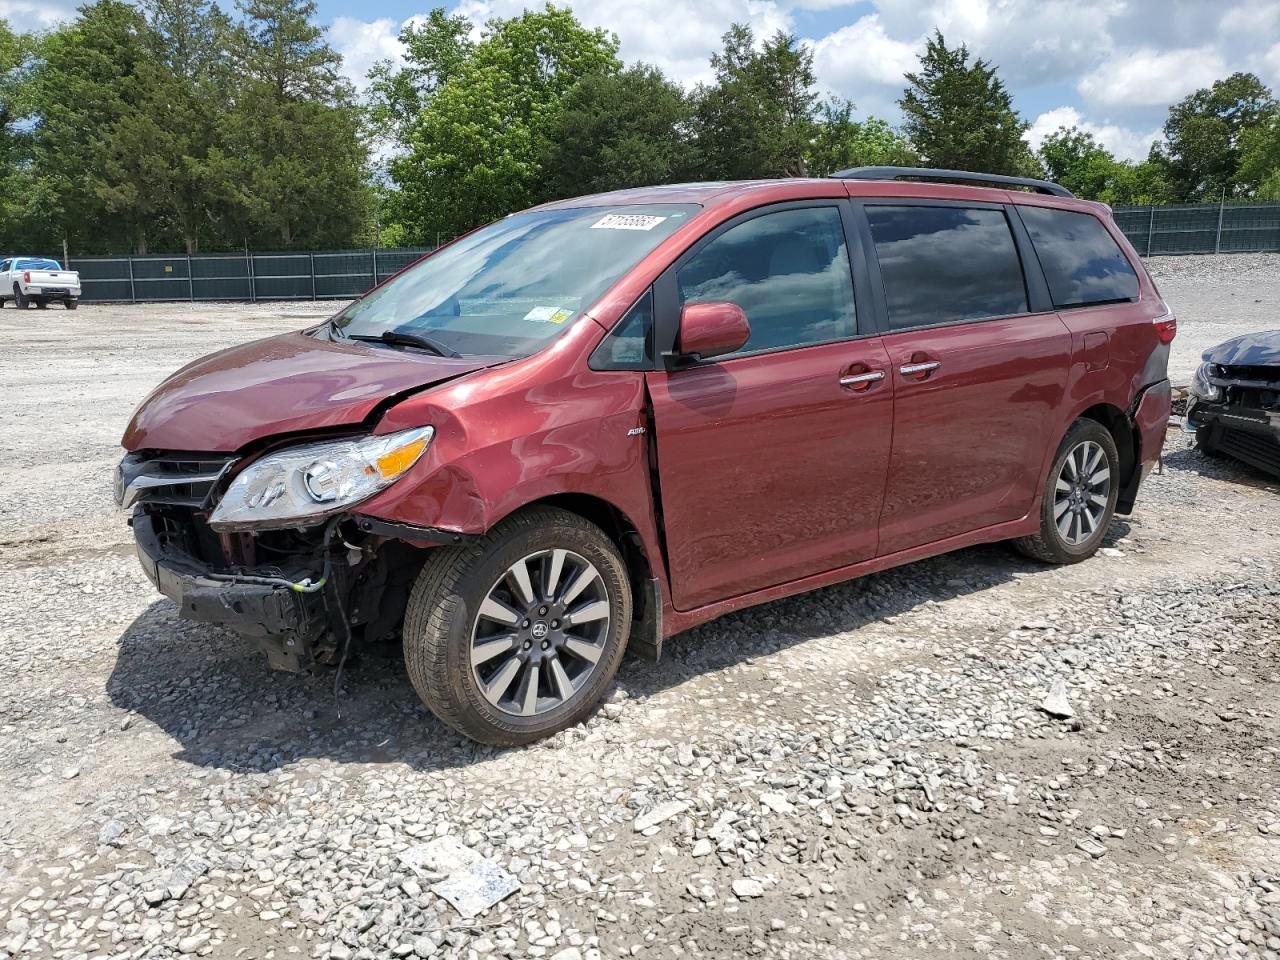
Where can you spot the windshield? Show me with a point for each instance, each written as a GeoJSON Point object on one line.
{"type": "Point", "coordinates": [36, 263]}
{"type": "Point", "coordinates": [510, 288]}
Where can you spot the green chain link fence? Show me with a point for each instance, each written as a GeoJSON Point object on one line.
{"type": "Point", "coordinates": [1202, 228]}
{"type": "Point", "coordinates": [344, 274]}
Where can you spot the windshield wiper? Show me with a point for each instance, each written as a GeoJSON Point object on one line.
{"type": "Point", "coordinates": [396, 338]}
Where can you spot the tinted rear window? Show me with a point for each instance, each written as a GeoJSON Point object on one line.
{"type": "Point", "coordinates": [945, 264]}
{"type": "Point", "coordinates": [1082, 263]}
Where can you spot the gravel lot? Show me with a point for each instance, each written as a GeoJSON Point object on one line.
{"type": "Point", "coordinates": [863, 771]}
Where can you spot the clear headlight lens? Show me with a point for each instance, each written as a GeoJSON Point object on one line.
{"type": "Point", "coordinates": [1200, 385]}
{"type": "Point", "coordinates": [300, 486]}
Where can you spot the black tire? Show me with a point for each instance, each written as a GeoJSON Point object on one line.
{"type": "Point", "coordinates": [1049, 545]}
{"type": "Point", "coordinates": [443, 609]}
{"type": "Point", "coordinates": [1205, 445]}
{"type": "Point", "coordinates": [19, 298]}
{"type": "Point", "coordinates": [71, 304]}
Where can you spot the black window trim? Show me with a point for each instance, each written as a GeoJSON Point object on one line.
{"type": "Point", "coordinates": [1097, 304]}
{"type": "Point", "coordinates": [666, 294]}
{"type": "Point", "coordinates": [1034, 284]}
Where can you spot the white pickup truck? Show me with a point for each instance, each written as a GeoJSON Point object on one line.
{"type": "Point", "coordinates": [26, 280]}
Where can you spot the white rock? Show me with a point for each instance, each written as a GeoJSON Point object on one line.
{"type": "Point", "coordinates": [663, 811]}
{"type": "Point", "coordinates": [745, 888]}
{"type": "Point", "coordinates": [1055, 702]}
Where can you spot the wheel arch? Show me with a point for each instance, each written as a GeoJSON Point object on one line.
{"type": "Point", "coordinates": [647, 576]}
{"type": "Point", "coordinates": [1125, 435]}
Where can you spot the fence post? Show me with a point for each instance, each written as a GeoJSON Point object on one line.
{"type": "Point", "coordinates": [133, 294]}
{"type": "Point", "coordinates": [191, 283]}
{"type": "Point", "coordinates": [248, 269]}
{"type": "Point", "coordinates": [1217, 241]}
{"type": "Point", "coordinates": [1151, 228]}
{"type": "Point", "coordinates": [313, 276]}
{"type": "Point", "coordinates": [375, 266]}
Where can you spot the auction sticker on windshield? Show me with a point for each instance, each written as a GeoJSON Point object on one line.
{"type": "Point", "coordinates": [548, 315]}
{"type": "Point", "coordinates": [626, 221]}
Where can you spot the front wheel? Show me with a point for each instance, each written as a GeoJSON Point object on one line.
{"type": "Point", "coordinates": [517, 635]}
{"type": "Point", "coordinates": [71, 304]}
{"type": "Point", "coordinates": [1079, 497]}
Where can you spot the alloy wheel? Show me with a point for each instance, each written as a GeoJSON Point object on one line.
{"type": "Point", "coordinates": [1081, 493]}
{"type": "Point", "coordinates": [540, 632]}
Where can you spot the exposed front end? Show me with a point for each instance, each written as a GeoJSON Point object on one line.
{"type": "Point", "coordinates": [1235, 410]}
{"type": "Point", "coordinates": [303, 587]}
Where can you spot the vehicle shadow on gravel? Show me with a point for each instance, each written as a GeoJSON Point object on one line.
{"type": "Point", "coordinates": [1220, 467]}
{"type": "Point", "coordinates": [212, 692]}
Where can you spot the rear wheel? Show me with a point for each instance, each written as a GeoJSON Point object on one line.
{"type": "Point", "coordinates": [517, 635]}
{"type": "Point", "coordinates": [1079, 497]}
{"type": "Point", "coordinates": [19, 298]}
{"type": "Point", "coordinates": [71, 304]}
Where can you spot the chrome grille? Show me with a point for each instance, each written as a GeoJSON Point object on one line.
{"type": "Point", "coordinates": [172, 479]}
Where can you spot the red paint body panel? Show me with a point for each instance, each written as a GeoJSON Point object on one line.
{"type": "Point", "coordinates": [969, 438]}
{"type": "Point", "coordinates": [772, 478]}
{"type": "Point", "coordinates": [769, 469]}
{"type": "Point", "coordinates": [280, 385]}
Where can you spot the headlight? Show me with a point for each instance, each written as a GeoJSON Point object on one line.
{"type": "Point", "coordinates": [301, 486]}
{"type": "Point", "coordinates": [1200, 385]}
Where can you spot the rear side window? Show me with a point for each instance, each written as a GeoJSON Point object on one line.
{"type": "Point", "coordinates": [1082, 263]}
{"type": "Point", "coordinates": [788, 271]}
{"type": "Point", "coordinates": [946, 264]}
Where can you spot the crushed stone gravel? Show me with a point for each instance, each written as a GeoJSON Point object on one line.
{"type": "Point", "coordinates": [864, 771]}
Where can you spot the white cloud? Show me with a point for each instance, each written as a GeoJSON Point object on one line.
{"type": "Point", "coordinates": [362, 43]}
{"type": "Point", "coordinates": [24, 15]}
{"type": "Point", "coordinates": [678, 38]}
{"type": "Point", "coordinates": [1147, 77]}
{"type": "Point", "coordinates": [1124, 143]}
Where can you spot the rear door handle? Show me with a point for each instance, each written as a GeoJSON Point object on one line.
{"type": "Point", "coordinates": [856, 379]}
{"type": "Point", "coordinates": [914, 369]}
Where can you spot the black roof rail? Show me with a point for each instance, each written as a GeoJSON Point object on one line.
{"type": "Point", "coordinates": [961, 176]}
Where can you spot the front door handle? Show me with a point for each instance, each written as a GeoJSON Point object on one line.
{"type": "Point", "coordinates": [915, 369]}
{"type": "Point", "coordinates": [862, 380]}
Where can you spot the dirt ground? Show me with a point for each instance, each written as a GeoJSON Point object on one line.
{"type": "Point", "coordinates": [861, 771]}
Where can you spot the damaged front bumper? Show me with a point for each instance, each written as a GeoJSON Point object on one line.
{"type": "Point", "coordinates": [1248, 434]}
{"type": "Point", "coordinates": [1242, 419]}
{"type": "Point", "coordinates": [288, 624]}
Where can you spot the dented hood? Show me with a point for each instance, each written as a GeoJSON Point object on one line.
{"type": "Point", "coordinates": [280, 385]}
{"type": "Point", "coordinates": [1250, 350]}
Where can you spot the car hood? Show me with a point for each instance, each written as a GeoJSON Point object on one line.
{"type": "Point", "coordinates": [1251, 350]}
{"type": "Point", "coordinates": [281, 385]}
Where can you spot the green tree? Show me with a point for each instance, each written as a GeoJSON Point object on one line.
{"type": "Point", "coordinates": [474, 151]}
{"type": "Point", "coordinates": [618, 130]}
{"type": "Point", "coordinates": [435, 50]}
{"type": "Point", "coordinates": [840, 142]}
{"type": "Point", "coordinates": [290, 160]}
{"type": "Point", "coordinates": [1201, 149]}
{"type": "Point", "coordinates": [757, 119]}
{"type": "Point", "coordinates": [960, 116]}
{"type": "Point", "coordinates": [1074, 158]}
{"type": "Point", "coordinates": [87, 82]}
{"type": "Point", "coordinates": [158, 153]}
{"type": "Point", "coordinates": [1259, 170]}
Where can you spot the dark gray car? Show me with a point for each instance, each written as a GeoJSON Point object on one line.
{"type": "Point", "coordinates": [1235, 400]}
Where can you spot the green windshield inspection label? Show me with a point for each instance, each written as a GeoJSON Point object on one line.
{"type": "Point", "coordinates": [626, 221]}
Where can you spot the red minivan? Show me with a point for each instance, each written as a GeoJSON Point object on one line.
{"type": "Point", "coordinates": [599, 422]}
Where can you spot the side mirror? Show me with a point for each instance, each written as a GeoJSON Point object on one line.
{"type": "Point", "coordinates": [712, 329]}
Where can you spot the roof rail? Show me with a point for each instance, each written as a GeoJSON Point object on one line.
{"type": "Point", "coordinates": [962, 176]}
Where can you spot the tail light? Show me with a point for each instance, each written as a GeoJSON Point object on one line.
{"type": "Point", "coordinates": [26, 276]}
{"type": "Point", "coordinates": [1166, 327]}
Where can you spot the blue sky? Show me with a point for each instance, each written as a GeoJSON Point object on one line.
{"type": "Point", "coordinates": [1109, 66]}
